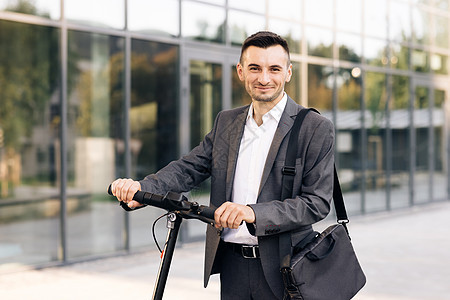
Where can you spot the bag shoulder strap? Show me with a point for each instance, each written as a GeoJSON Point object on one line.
{"type": "Point", "coordinates": [287, 186]}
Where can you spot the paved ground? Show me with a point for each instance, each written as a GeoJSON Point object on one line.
{"type": "Point", "coordinates": [405, 254]}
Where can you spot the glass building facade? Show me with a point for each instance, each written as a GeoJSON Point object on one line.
{"type": "Point", "coordinates": [95, 90]}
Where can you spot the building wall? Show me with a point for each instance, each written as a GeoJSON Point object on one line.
{"type": "Point", "coordinates": [92, 91]}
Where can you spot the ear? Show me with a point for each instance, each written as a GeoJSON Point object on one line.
{"type": "Point", "coordinates": [289, 73]}
{"type": "Point", "coordinates": [240, 71]}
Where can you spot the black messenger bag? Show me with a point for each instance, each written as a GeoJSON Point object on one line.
{"type": "Point", "coordinates": [324, 265]}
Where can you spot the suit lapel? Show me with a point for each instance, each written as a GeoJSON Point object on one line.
{"type": "Point", "coordinates": [284, 126]}
{"type": "Point", "coordinates": [236, 132]}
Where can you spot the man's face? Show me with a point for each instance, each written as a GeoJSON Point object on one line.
{"type": "Point", "coordinates": [265, 72]}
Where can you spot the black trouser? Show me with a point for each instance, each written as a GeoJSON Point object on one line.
{"type": "Point", "coordinates": [242, 278]}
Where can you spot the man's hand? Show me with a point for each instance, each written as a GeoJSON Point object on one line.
{"type": "Point", "coordinates": [231, 215]}
{"type": "Point", "coordinates": [124, 190]}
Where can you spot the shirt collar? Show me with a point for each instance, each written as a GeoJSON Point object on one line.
{"type": "Point", "coordinates": [275, 112]}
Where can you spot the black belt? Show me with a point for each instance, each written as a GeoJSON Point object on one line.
{"type": "Point", "coordinates": [247, 251]}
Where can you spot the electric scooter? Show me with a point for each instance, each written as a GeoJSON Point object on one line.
{"type": "Point", "coordinates": [179, 208]}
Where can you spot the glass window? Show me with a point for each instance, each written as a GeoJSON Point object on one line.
{"type": "Point", "coordinates": [93, 13]}
{"type": "Point", "coordinates": [29, 144]}
{"type": "Point", "coordinates": [438, 120]}
{"type": "Point", "coordinates": [375, 52]}
{"type": "Point", "coordinates": [293, 87]}
{"type": "Point", "coordinates": [320, 87]}
{"type": "Point", "coordinates": [286, 9]}
{"type": "Point", "coordinates": [205, 98]}
{"type": "Point", "coordinates": [239, 96]}
{"type": "Point", "coordinates": [291, 32]}
{"type": "Point", "coordinates": [203, 22]}
{"type": "Point", "coordinates": [399, 57]}
{"type": "Point", "coordinates": [348, 15]}
{"type": "Point", "coordinates": [420, 61]}
{"type": "Point", "coordinates": [95, 141]}
{"type": "Point", "coordinates": [375, 24]}
{"type": "Point", "coordinates": [421, 25]}
{"type": "Point", "coordinates": [442, 4]}
{"type": "Point", "coordinates": [320, 42]}
{"type": "Point", "coordinates": [440, 34]}
{"type": "Point", "coordinates": [154, 17]}
{"type": "Point", "coordinates": [348, 136]}
{"type": "Point", "coordinates": [375, 132]}
{"type": "Point", "coordinates": [43, 8]}
{"type": "Point", "coordinates": [422, 138]}
{"type": "Point", "coordinates": [319, 12]}
{"type": "Point", "coordinates": [350, 46]}
{"type": "Point", "coordinates": [256, 6]}
{"type": "Point", "coordinates": [400, 142]}
{"type": "Point", "coordinates": [399, 21]}
{"type": "Point", "coordinates": [243, 24]}
{"type": "Point", "coordinates": [154, 123]}
{"type": "Point", "coordinates": [438, 63]}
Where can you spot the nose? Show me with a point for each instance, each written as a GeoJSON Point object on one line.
{"type": "Point", "coordinates": [264, 77]}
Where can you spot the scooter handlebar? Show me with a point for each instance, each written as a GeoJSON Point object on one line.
{"type": "Point", "coordinates": [170, 202]}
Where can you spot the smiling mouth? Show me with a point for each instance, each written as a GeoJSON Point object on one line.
{"type": "Point", "coordinates": [264, 88]}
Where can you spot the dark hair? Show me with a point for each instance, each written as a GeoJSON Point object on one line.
{"type": "Point", "coordinates": [264, 39]}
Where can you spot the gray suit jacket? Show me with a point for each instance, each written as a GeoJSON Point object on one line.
{"type": "Point", "coordinates": [216, 157]}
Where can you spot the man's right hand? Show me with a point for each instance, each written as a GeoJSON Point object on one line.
{"type": "Point", "coordinates": [124, 190]}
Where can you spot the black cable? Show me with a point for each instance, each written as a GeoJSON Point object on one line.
{"type": "Point", "coordinates": [153, 231]}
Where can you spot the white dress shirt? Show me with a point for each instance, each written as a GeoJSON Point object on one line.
{"type": "Point", "coordinates": [253, 151]}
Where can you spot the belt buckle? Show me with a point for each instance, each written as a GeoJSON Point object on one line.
{"type": "Point", "coordinates": [253, 252]}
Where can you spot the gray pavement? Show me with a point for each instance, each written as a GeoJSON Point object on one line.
{"type": "Point", "coordinates": [405, 255]}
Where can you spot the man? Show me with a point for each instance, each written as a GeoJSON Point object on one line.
{"type": "Point", "coordinates": [244, 155]}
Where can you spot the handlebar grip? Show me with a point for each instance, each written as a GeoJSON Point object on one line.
{"type": "Point", "coordinates": [207, 212]}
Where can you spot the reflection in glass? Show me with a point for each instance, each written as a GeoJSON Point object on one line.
{"type": "Point", "coordinates": [205, 98]}
{"type": "Point", "coordinates": [93, 13]}
{"type": "Point", "coordinates": [438, 63]}
{"type": "Point", "coordinates": [439, 188]}
{"type": "Point", "coordinates": [422, 124]}
{"type": "Point", "coordinates": [348, 136]}
{"type": "Point", "coordinates": [147, 16]}
{"type": "Point", "coordinates": [320, 87]}
{"type": "Point", "coordinates": [399, 21]}
{"type": "Point", "coordinates": [348, 15]}
{"type": "Point", "coordinates": [154, 106]}
{"type": "Point", "coordinates": [440, 34]}
{"type": "Point", "coordinates": [375, 132]}
{"type": "Point", "coordinates": [320, 42]}
{"type": "Point", "coordinates": [419, 60]}
{"type": "Point", "coordinates": [442, 4]}
{"type": "Point", "coordinates": [293, 88]}
{"type": "Point", "coordinates": [203, 22]}
{"type": "Point", "coordinates": [375, 24]}
{"type": "Point", "coordinates": [95, 141]}
{"type": "Point", "coordinates": [421, 25]}
{"type": "Point", "coordinates": [43, 8]}
{"type": "Point", "coordinates": [375, 52]}
{"type": "Point", "coordinates": [286, 9]}
{"type": "Point", "coordinates": [349, 47]}
{"type": "Point", "coordinates": [291, 32]}
{"type": "Point", "coordinates": [400, 158]}
{"type": "Point", "coordinates": [319, 12]}
{"type": "Point", "coordinates": [154, 123]}
{"type": "Point", "coordinates": [239, 95]}
{"type": "Point", "coordinates": [243, 24]}
{"type": "Point", "coordinates": [256, 6]}
{"type": "Point", "coordinates": [399, 56]}
{"type": "Point", "coordinates": [29, 144]}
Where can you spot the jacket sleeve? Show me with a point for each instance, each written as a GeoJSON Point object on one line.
{"type": "Point", "coordinates": [183, 174]}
